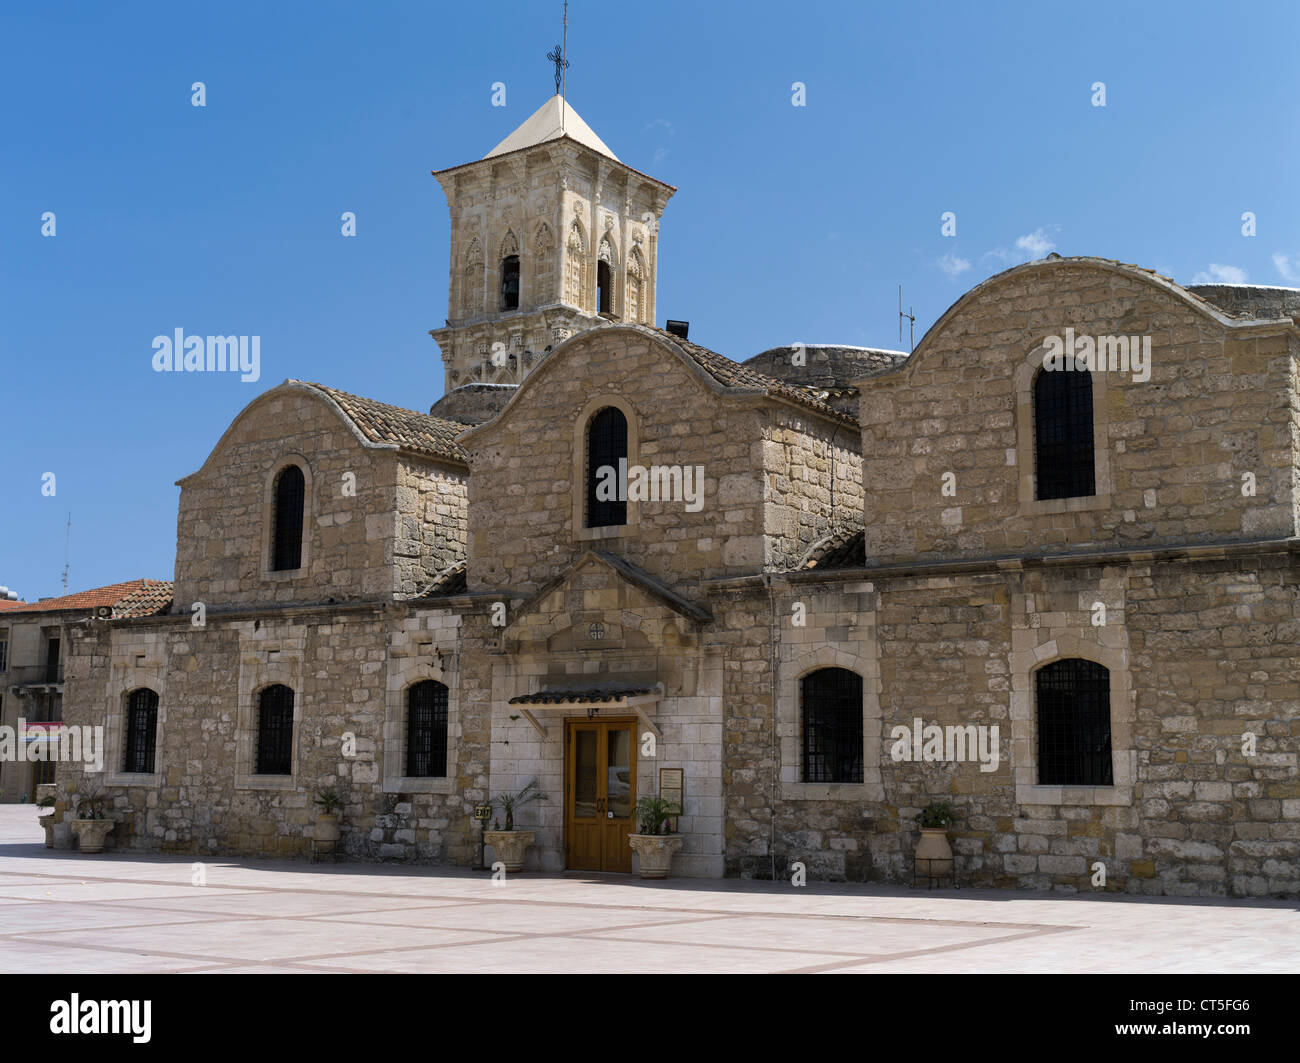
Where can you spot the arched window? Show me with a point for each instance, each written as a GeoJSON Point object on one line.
{"type": "Point", "coordinates": [606, 449]}
{"type": "Point", "coordinates": [1063, 448]}
{"type": "Point", "coordinates": [510, 282]}
{"type": "Point", "coordinates": [831, 702]}
{"type": "Point", "coordinates": [426, 730]}
{"type": "Point", "coordinates": [275, 731]}
{"type": "Point", "coordinates": [1073, 724]}
{"type": "Point", "coordinates": [286, 530]}
{"type": "Point", "coordinates": [141, 731]}
{"type": "Point", "coordinates": [603, 285]}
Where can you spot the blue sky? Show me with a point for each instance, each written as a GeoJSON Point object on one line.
{"type": "Point", "coordinates": [790, 224]}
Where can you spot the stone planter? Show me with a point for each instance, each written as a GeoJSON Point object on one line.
{"type": "Point", "coordinates": [933, 853]}
{"type": "Point", "coordinates": [91, 833]}
{"type": "Point", "coordinates": [509, 846]}
{"type": "Point", "coordinates": [326, 835]}
{"type": "Point", "coordinates": [656, 852]}
{"type": "Point", "coordinates": [47, 821]}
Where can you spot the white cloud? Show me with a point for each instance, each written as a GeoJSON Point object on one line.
{"type": "Point", "coordinates": [953, 265]}
{"type": "Point", "coordinates": [1288, 266]}
{"type": "Point", "coordinates": [1037, 244]}
{"type": "Point", "coordinates": [660, 154]}
{"type": "Point", "coordinates": [660, 123]}
{"type": "Point", "coordinates": [1220, 274]}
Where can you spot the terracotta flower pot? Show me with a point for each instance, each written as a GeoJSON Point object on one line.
{"type": "Point", "coordinates": [509, 846]}
{"type": "Point", "coordinates": [326, 834]}
{"type": "Point", "coordinates": [91, 833]}
{"type": "Point", "coordinates": [933, 853]}
{"type": "Point", "coordinates": [656, 852]}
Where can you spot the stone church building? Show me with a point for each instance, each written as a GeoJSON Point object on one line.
{"type": "Point", "coordinates": [823, 557]}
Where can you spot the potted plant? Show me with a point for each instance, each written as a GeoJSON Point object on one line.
{"type": "Point", "coordinates": [326, 834]}
{"type": "Point", "coordinates": [92, 825]}
{"type": "Point", "coordinates": [653, 843]}
{"type": "Point", "coordinates": [509, 844]}
{"type": "Point", "coordinates": [47, 819]}
{"type": "Point", "coordinates": [933, 853]}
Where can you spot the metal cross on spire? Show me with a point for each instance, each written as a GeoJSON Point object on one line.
{"type": "Point", "coordinates": [559, 57]}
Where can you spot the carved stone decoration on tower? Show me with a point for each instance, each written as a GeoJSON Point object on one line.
{"type": "Point", "coordinates": [523, 269]}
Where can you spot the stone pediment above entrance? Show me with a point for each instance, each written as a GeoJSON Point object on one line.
{"type": "Point", "coordinates": [604, 602]}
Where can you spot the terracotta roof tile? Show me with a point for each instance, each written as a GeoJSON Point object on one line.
{"type": "Point", "coordinates": [408, 429]}
{"type": "Point", "coordinates": [844, 549]}
{"type": "Point", "coordinates": [734, 375]}
{"type": "Point", "coordinates": [137, 597]}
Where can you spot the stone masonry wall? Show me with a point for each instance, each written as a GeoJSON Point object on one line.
{"type": "Point", "coordinates": [1199, 659]}
{"type": "Point", "coordinates": [1173, 449]}
{"type": "Point", "coordinates": [405, 522]}
{"type": "Point", "coordinates": [202, 799]}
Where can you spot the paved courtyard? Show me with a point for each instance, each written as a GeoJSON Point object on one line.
{"type": "Point", "coordinates": [61, 911]}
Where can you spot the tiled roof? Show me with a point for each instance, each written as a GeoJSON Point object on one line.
{"type": "Point", "coordinates": [450, 581]}
{"type": "Point", "coordinates": [845, 549]}
{"type": "Point", "coordinates": [408, 429]}
{"type": "Point", "coordinates": [153, 598]}
{"type": "Point", "coordinates": [137, 597]}
{"type": "Point", "coordinates": [583, 696]}
{"type": "Point", "coordinates": [734, 375]}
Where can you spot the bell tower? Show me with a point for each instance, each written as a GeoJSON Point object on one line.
{"type": "Point", "coordinates": [550, 234]}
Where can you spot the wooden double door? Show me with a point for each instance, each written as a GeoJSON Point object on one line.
{"type": "Point", "coordinates": [599, 794]}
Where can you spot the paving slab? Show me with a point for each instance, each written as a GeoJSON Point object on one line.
{"type": "Point", "coordinates": [115, 912]}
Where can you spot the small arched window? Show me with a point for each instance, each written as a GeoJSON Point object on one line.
{"type": "Point", "coordinates": [604, 302]}
{"type": "Point", "coordinates": [275, 731]}
{"type": "Point", "coordinates": [1074, 724]}
{"type": "Point", "coordinates": [286, 530]}
{"type": "Point", "coordinates": [606, 458]}
{"type": "Point", "coordinates": [426, 730]}
{"type": "Point", "coordinates": [1063, 436]}
{"type": "Point", "coordinates": [831, 703]}
{"type": "Point", "coordinates": [141, 731]}
{"type": "Point", "coordinates": [510, 282]}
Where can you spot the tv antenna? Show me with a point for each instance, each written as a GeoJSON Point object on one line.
{"type": "Point", "coordinates": [910, 318]}
{"type": "Point", "coordinates": [67, 552]}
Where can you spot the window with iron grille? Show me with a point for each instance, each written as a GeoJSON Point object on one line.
{"type": "Point", "coordinates": [831, 700]}
{"type": "Point", "coordinates": [141, 731]}
{"type": "Point", "coordinates": [1063, 437]}
{"type": "Point", "coordinates": [4, 655]}
{"type": "Point", "coordinates": [1074, 724]}
{"type": "Point", "coordinates": [606, 446]}
{"type": "Point", "coordinates": [510, 282]}
{"type": "Point", "coordinates": [290, 488]}
{"type": "Point", "coordinates": [426, 730]}
{"type": "Point", "coordinates": [275, 731]}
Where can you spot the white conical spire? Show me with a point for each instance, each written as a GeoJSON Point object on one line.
{"type": "Point", "coordinates": [553, 119]}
